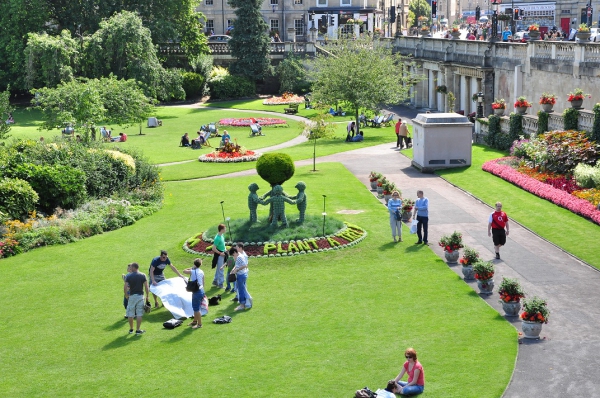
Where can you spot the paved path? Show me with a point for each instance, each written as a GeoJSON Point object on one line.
{"type": "Point", "coordinates": [565, 361]}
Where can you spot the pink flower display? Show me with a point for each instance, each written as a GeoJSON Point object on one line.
{"type": "Point", "coordinates": [263, 121]}
{"type": "Point", "coordinates": [542, 190]}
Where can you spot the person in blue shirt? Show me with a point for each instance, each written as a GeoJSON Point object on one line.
{"type": "Point", "coordinates": [422, 214]}
{"type": "Point", "coordinates": [358, 137]}
{"type": "Point", "coordinates": [395, 205]}
{"type": "Point", "coordinates": [506, 34]}
{"type": "Point", "coordinates": [225, 137]}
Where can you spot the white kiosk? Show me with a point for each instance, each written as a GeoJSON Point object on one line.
{"type": "Point", "coordinates": [441, 141]}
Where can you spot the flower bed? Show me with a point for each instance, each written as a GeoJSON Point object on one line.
{"type": "Point", "coordinates": [285, 99]}
{"type": "Point", "coordinates": [542, 190]}
{"type": "Point", "coordinates": [244, 122]}
{"type": "Point", "coordinates": [347, 236]}
{"type": "Point", "coordinates": [224, 157]}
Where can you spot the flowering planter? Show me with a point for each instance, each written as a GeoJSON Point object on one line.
{"type": "Point", "coordinates": [521, 110]}
{"type": "Point", "coordinates": [577, 104]}
{"type": "Point", "coordinates": [582, 36]}
{"type": "Point", "coordinates": [499, 112]}
{"type": "Point", "coordinates": [451, 257]}
{"type": "Point", "coordinates": [468, 273]}
{"type": "Point", "coordinates": [485, 286]}
{"type": "Point", "coordinates": [379, 190]}
{"type": "Point", "coordinates": [534, 34]}
{"type": "Point", "coordinates": [511, 308]}
{"type": "Point", "coordinates": [373, 185]}
{"type": "Point", "coordinates": [531, 330]}
{"type": "Point", "coordinates": [547, 107]}
{"type": "Point", "coordinates": [406, 215]}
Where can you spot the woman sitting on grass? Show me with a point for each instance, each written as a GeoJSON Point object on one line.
{"type": "Point", "coordinates": [416, 375]}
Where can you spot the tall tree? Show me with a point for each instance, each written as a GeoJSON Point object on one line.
{"type": "Point", "coordinates": [419, 8]}
{"type": "Point", "coordinates": [5, 112]}
{"type": "Point", "coordinates": [250, 41]}
{"type": "Point", "coordinates": [50, 59]}
{"type": "Point", "coordinates": [17, 18]}
{"type": "Point", "coordinates": [362, 73]}
{"type": "Point", "coordinates": [123, 47]}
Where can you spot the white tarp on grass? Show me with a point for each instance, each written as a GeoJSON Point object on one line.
{"type": "Point", "coordinates": [176, 299]}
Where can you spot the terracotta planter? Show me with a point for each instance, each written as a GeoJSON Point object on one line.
{"type": "Point", "coordinates": [485, 286]}
{"type": "Point", "coordinates": [451, 257]}
{"type": "Point", "coordinates": [499, 112]}
{"type": "Point", "coordinates": [547, 107]}
{"type": "Point", "coordinates": [468, 273]}
{"type": "Point", "coordinates": [531, 330]}
{"type": "Point", "coordinates": [577, 104]}
{"type": "Point", "coordinates": [521, 110]}
{"type": "Point", "coordinates": [511, 308]}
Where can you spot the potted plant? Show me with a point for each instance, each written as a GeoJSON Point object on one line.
{"type": "Point", "coordinates": [451, 244]}
{"type": "Point", "coordinates": [576, 98]}
{"type": "Point", "coordinates": [511, 293]}
{"type": "Point", "coordinates": [474, 97]}
{"type": "Point", "coordinates": [534, 31]}
{"type": "Point", "coordinates": [499, 105]}
{"type": "Point", "coordinates": [470, 256]}
{"type": "Point", "coordinates": [380, 183]}
{"type": "Point", "coordinates": [484, 272]}
{"type": "Point", "coordinates": [407, 207]}
{"type": "Point", "coordinates": [388, 188]}
{"type": "Point", "coordinates": [583, 32]}
{"type": "Point", "coordinates": [455, 32]}
{"type": "Point", "coordinates": [521, 105]}
{"type": "Point", "coordinates": [441, 89]}
{"type": "Point", "coordinates": [535, 314]}
{"type": "Point", "coordinates": [547, 101]}
{"type": "Point", "coordinates": [373, 177]}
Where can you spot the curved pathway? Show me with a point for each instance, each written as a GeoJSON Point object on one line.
{"type": "Point", "coordinates": [564, 361]}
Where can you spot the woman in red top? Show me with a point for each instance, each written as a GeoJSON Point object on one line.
{"type": "Point", "coordinates": [416, 375]}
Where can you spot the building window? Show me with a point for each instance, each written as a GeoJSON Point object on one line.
{"type": "Point", "coordinates": [274, 2]}
{"type": "Point", "coordinates": [208, 2]}
{"type": "Point", "coordinates": [345, 3]}
{"type": "Point", "coordinates": [274, 25]}
{"type": "Point", "coordinates": [229, 22]}
{"type": "Point", "coordinates": [210, 25]}
{"type": "Point", "coordinates": [321, 3]}
{"type": "Point", "coordinates": [297, 1]}
{"type": "Point", "coordinates": [299, 25]}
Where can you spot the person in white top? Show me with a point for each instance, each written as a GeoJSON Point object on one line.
{"type": "Point", "coordinates": [241, 271]}
{"type": "Point", "coordinates": [196, 274]}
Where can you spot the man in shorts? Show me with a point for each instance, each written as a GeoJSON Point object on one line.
{"type": "Point", "coordinates": [157, 268]}
{"type": "Point", "coordinates": [497, 222]}
{"type": "Point", "coordinates": [135, 284]}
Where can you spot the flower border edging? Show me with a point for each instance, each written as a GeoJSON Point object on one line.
{"type": "Point", "coordinates": [348, 236]}
{"type": "Point", "coordinates": [239, 159]}
{"type": "Point", "coordinates": [544, 191]}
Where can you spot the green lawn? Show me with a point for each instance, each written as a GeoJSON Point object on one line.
{"type": "Point", "coordinates": [323, 325]}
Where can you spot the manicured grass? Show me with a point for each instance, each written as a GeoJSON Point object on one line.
{"type": "Point", "coordinates": [257, 105]}
{"type": "Point", "coordinates": [323, 325]}
{"type": "Point", "coordinates": [569, 231]}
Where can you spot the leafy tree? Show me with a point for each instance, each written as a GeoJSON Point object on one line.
{"type": "Point", "coordinates": [123, 46]}
{"type": "Point", "coordinates": [250, 41]}
{"type": "Point", "coordinates": [50, 59]}
{"type": "Point", "coordinates": [5, 110]}
{"type": "Point", "coordinates": [85, 104]}
{"type": "Point", "coordinates": [320, 126]}
{"type": "Point", "coordinates": [419, 8]}
{"type": "Point", "coordinates": [291, 73]}
{"type": "Point", "coordinates": [17, 19]}
{"type": "Point", "coordinates": [361, 73]}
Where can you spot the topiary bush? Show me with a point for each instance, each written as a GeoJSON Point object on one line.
{"type": "Point", "coordinates": [231, 86]}
{"type": "Point", "coordinates": [17, 198]}
{"type": "Point", "coordinates": [516, 127]}
{"type": "Point", "coordinates": [193, 84]}
{"type": "Point", "coordinates": [543, 118]}
{"type": "Point", "coordinates": [275, 168]}
{"type": "Point", "coordinates": [571, 119]}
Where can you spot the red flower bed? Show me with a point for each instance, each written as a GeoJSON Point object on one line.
{"type": "Point", "coordinates": [542, 190]}
{"type": "Point", "coordinates": [227, 155]}
{"type": "Point", "coordinates": [263, 121]}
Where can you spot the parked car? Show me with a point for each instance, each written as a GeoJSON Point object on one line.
{"type": "Point", "coordinates": [521, 37]}
{"type": "Point", "coordinates": [595, 37]}
{"type": "Point", "coordinates": [219, 38]}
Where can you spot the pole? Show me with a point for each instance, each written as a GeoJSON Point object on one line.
{"type": "Point", "coordinates": [324, 214]}
{"type": "Point", "coordinates": [226, 220]}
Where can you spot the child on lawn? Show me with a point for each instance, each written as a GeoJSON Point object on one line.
{"type": "Point", "coordinates": [126, 297]}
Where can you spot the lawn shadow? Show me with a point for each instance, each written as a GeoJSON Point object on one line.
{"type": "Point", "coordinates": [120, 342]}
{"type": "Point", "coordinates": [117, 325]}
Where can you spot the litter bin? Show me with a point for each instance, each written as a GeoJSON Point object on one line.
{"type": "Point", "coordinates": [441, 141]}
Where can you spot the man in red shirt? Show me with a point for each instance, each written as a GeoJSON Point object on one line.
{"type": "Point", "coordinates": [497, 222]}
{"type": "Point", "coordinates": [398, 140]}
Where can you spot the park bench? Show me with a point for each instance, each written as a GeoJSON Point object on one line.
{"type": "Point", "coordinates": [293, 108]}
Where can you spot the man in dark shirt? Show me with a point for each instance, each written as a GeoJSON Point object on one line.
{"type": "Point", "coordinates": [135, 283]}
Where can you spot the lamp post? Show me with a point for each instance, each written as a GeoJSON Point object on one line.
{"type": "Point", "coordinates": [226, 220]}
{"type": "Point", "coordinates": [480, 105]}
{"type": "Point", "coordinates": [324, 214]}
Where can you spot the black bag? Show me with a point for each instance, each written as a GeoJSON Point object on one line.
{"type": "Point", "coordinates": [215, 259]}
{"type": "Point", "coordinates": [172, 323]}
{"type": "Point", "coordinates": [192, 286]}
{"type": "Point", "coordinates": [398, 215]}
{"type": "Point", "coordinates": [365, 393]}
{"type": "Point", "coordinates": [232, 278]}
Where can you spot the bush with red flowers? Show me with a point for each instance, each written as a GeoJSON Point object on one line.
{"type": "Point", "coordinates": [510, 290]}
{"type": "Point", "coordinates": [243, 122]}
{"type": "Point", "coordinates": [484, 270]}
{"type": "Point", "coordinates": [522, 102]}
{"type": "Point", "coordinates": [451, 242]}
{"type": "Point", "coordinates": [535, 310]}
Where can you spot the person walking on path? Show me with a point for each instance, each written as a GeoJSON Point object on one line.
{"type": "Point", "coordinates": [196, 274]}
{"type": "Point", "coordinates": [219, 257]}
{"type": "Point", "coordinates": [402, 134]}
{"type": "Point", "coordinates": [497, 223]}
{"type": "Point", "coordinates": [421, 213]}
{"type": "Point", "coordinates": [157, 268]}
{"type": "Point", "coordinates": [135, 283]}
{"type": "Point", "coordinates": [395, 208]}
